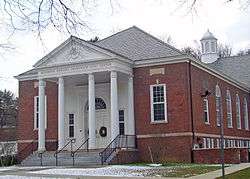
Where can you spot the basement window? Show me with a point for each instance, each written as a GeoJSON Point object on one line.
{"type": "Point", "coordinates": [158, 103]}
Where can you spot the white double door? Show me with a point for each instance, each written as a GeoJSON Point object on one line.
{"type": "Point", "coordinates": [102, 121]}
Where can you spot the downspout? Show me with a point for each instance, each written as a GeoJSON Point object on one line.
{"type": "Point", "coordinates": [191, 109]}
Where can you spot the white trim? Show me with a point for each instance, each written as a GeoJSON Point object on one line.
{"type": "Point", "coordinates": [189, 134]}
{"type": "Point", "coordinates": [31, 140]}
{"type": "Point", "coordinates": [36, 111]}
{"type": "Point", "coordinates": [152, 104]}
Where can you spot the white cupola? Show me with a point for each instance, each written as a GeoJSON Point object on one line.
{"type": "Point", "coordinates": [209, 51]}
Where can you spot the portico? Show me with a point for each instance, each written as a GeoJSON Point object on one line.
{"type": "Point", "coordinates": [81, 81]}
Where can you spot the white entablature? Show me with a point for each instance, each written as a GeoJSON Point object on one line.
{"type": "Point", "coordinates": [76, 56]}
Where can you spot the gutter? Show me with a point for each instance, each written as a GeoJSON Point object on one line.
{"type": "Point", "coordinates": [191, 108]}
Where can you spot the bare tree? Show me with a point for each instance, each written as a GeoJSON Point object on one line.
{"type": "Point", "coordinates": [194, 52]}
{"type": "Point", "coordinates": [244, 52]}
{"type": "Point", "coordinates": [192, 5]}
{"type": "Point", "coordinates": [224, 50]}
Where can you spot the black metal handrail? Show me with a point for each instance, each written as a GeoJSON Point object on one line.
{"type": "Point", "coordinates": [71, 141]}
{"type": "Point", "coordinates": [115, 144]}
{"type": "Point", "coordinates": [40, 154]}
{"type": "Point", "coordinates": [74, 152]}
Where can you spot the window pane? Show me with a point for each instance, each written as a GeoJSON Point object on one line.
{"type": "Point", "coordinates": [159, 112]}
{"type": "Point", "coordinates": [121, 129]}
{"type": "Point", "coordinates": [71, 131]}
{"type": "Point", "coordinates": [121, 115]}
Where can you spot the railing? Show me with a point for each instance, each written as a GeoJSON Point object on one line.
{"type": "Point", "coordinates": [121, 141]}
{"type": "Point", "coordinates": [71, 141]}
{"type": "Point", "coordinates": [40, 154]}
{"type": "Point", "coordinates": [74, 152]}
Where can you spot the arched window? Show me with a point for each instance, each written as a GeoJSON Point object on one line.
{"type": "Point", "coordinates": [213, 46]}
{"type": "Point", "coordinates": [238, 117]}
{"type": "Point", "coordinates": [218, 105]}
{"type": "Point", "coordinates": [203, 48]}
{"type": "Point", "coordinates": [99, 104]}
{"type": "Point", "coordinates": [229, 110]}
{"type": "Point", "coordinates": [206, 47]}
{"type": "Point", "coordinates": [246, 114]}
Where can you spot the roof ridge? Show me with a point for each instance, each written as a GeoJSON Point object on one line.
{"type": "Point", "coordinates": [115, 34]}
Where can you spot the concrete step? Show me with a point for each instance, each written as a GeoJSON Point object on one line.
{"type": "Point", "coordinates": [64, 159]}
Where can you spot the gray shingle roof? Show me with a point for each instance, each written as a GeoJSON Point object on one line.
{"type": "Point", "coordinates": [137, 44]}
{"type": "Point", "coordinates": [237, 67]}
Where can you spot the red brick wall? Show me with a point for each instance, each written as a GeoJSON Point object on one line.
{"type": "Point", "coordinates": [175, 78]}
{"type": "Point", "coordinates": [7, 134]}
{"type": "Point", "coordinates": [202, 81]}
{"type": "Point", "coordinates": [125, 156]}
{"type": "Point", "coordinates": [213, 155]}
{"type": "Point", "coordinates": [165, 149]}
{"type": "Point", "coordinates": [25, 123]}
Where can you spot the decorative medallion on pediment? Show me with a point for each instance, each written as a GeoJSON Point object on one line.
{"type": "Point", "coordinates": [74, 52]}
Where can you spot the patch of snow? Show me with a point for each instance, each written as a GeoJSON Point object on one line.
{"type": "Point", "coordinates": [154, 165]}
{"type": "Point", "coordinates": [116, 170]}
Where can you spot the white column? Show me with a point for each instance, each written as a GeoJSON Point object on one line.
{"type": "Point", "coordinates": [41, 127]}
{"type": "Point", "coordinates": [60, 112]}
{"type": "Point", "coordinates": [92, 135]}
{"type": "Point", "coordinates": [114, 106]}
{"type": "Point", "coordinates": [131, 121]}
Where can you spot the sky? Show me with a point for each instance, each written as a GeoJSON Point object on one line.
{"type": "Point", "coordinates": [229, 22]}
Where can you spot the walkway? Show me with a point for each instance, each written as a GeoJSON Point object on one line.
{"type": "Point", "coordinates": [16, 172]}
{"type": "Point", "coordinates": [217, 173]}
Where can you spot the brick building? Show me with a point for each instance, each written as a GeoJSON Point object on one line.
{"type": "Point", "coordinates": [131, 83]}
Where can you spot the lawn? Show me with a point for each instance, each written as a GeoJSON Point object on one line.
{"type": "Point", "coordinates": [242, 174]}
{"type": "Point", "coordinates": [178, 169]}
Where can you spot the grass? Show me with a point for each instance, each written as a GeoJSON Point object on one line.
{"type": "Point", "coordinates": [242, 174]}
{"type": "Point", "coordinates": [178, 169]}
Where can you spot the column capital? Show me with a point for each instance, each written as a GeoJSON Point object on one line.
{"type": "Point", "coordinates": [60, 80]}
{"type": "Point", "coordinates": [91, 76]}
{"type": "Point", "coordinates": [113, 74]}
{"type": "Point", "coordinates": [42, 83]}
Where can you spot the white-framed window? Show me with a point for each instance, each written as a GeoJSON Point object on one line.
{"type": "Point", "coordinates": [36, 112]}
{"type": "Point", "coordinates": [208, 143]}
{"type": "Point", "coordinates": [206, 110]}
{"type": "Point", "coordinates": [218, 143]}
{"type": "Point", "coordinates": [71, 125]}
{"type": "Point", "coordinates": [245, 110]}
{"type": "Point", "coordinates": [212, 143]}
{"type": "Point", "coordinates": [121, 122]}
{"type": "Point", "coordinates": [238, 115]}
{"type": "Point", "coordinates": [229, 110]}
{"type": "Point", "coordinates": [204, 143]}
{"type": "Point", "coordinates": [158, 103]}
{"type": "Point", "coordinates": [218, 105]}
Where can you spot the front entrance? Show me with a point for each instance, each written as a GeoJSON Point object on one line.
{"type": "Point", "coordinates": [102, 123]}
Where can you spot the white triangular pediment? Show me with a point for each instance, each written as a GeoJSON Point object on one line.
{"type": "Point", "coordinates": [73, 52]}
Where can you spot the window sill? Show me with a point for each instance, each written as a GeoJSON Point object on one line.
{"type": "Point", "coordinates": [207, 123]}
{"type": "Point", "coordinates": [230, 127]}
{"type": "Point", "coordinates": [158, 122]}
